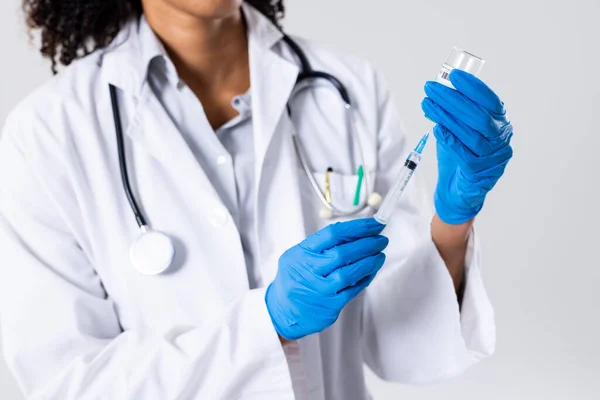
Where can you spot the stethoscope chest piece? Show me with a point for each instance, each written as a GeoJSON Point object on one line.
{"type": "Point", "coordinates": [152, 252]}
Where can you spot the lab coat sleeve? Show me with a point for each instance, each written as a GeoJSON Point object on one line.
{"type": "Point", "coordinates": [413, 329]}
{"type": "Point", "coordinates": [61, 334]}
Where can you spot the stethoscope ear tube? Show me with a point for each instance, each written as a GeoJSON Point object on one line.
{"type": "Point", "coordinates": [335, 82]}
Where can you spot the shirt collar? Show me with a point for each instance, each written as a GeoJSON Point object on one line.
{"type": "Point", "coordinates": [125, 62]}
{"type": "Point", "coordinates": [151, 51]}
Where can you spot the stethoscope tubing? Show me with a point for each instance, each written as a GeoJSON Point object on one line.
{"type": "Point", "coordinates": [306, 168]}
{"type": "Point", "coordinates": [306, 74]}
{"type": "Point", "coordinates": [139, 216]}
{"type": "Point", "coordinates": [150, 239]}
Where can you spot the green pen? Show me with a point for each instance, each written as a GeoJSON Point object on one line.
{"type": "Point", "coordinates": [360, 174]}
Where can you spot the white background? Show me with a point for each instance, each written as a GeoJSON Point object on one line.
{"type": "Point", "coordinates": [540, 227]}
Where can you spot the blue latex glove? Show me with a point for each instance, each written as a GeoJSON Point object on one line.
{"type": "Point", "coordinates": [319, 276]}
{"type": "Point", "coordinates": [473, 144]}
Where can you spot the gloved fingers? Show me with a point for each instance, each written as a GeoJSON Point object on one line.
{"type": "Point", "coordinates": [346, 295]}
{"type": "Point", "coordinates": [462, 109]}
{"type": "Point", "coordinates": [349, 253]}
{"type": "Point", "coordinates": [486, 177]}
{"type": "Point", "coordinates": [505, 133]}
{"type": "Point", "coordinates": [304, 263]}
{"type": "Point", "coordinates": [472, 139]}
{"type": "Point", "coordinates": [470, 186]}
{"type": "Point", "coordinates": [350, 275]}
{"type": "Point", "coordinates": [449, 146]}
{"type": "Point", "coordinates": [480, 93]}
{"type": "Point", "coordinates": [341, 232]}
{"type": "Point", "coordinates": [452, 213]}
{"type": "Point", "coordinates": [319, 303]}
{"type": "Point", "coordinates": [303, 272]}
{"type": "Point", "coordinates": [488, 165]}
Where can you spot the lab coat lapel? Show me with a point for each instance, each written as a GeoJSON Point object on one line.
{"type": "Point", "coordinates": [279, 212]}
{"type": "Point", "coordinates": [152, 129]}
{"type": "Point", "coordinates": [279, 207]}
{"type": "Point", "coordinates": [272, 80]}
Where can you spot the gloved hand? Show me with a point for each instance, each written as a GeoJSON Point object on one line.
{"type": "Point", "coordinates": [473, 144]}
{"type": "Point", "coordinates": [319, 276]}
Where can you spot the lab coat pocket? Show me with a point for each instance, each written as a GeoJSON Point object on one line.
{"type": "Point", "coordinates": [343, 192]}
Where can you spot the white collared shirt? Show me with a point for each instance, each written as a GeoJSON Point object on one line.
{"type": "Point", "coordinates": [227, 157]}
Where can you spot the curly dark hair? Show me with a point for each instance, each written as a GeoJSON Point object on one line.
{"type": "Point", "coordinates": [71, 29]}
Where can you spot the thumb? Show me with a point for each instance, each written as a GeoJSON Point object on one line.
{"type": "Point", "coordinates": [340, 233]}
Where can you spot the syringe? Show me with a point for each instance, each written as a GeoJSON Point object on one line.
{"type": "Point", "coordinates": [391, 199]}
{"type": "Point", "coordinates": [458, 59]}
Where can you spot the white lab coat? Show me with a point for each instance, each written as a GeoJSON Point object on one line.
{"type": "Point", "coordinates": [80, 323]}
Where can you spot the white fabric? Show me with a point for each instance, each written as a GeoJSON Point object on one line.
{"type": "Point", "coordinates": [226, 157]}
{"type": "Point", "coordinates": [296, 367]}
{"type": "Point", "coordinates": [79, 322]}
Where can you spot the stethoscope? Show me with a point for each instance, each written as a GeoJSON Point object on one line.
{"type": "Point", "coordinates": [153, 251]}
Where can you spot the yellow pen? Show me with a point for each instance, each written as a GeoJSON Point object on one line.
{"type": "Point", "coordinates": [327, 185]}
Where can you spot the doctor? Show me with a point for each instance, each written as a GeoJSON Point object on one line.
{"type": "Point", "coordinates": [263, 299]}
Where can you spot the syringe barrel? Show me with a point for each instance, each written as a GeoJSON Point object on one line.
{"type": "Point", "coordinates": [393, 197]}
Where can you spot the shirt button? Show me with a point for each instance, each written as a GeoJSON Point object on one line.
{"type": "Point", "coordinates": [218, 217]}
{"type": "Point", "coordinates": [222, 160]}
